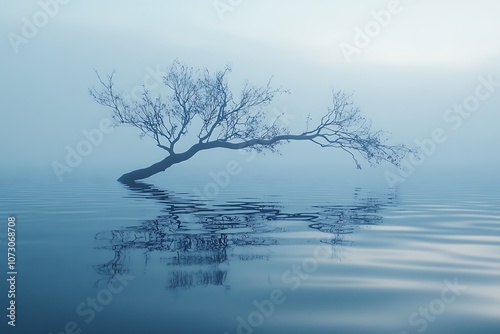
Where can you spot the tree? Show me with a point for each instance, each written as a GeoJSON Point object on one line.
{"type": "Point", "coordinates": [202, 103]}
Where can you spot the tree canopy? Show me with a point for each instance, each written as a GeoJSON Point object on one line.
{"type": "Point", "coordinates": [201, 104]}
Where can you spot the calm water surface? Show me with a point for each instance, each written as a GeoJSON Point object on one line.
{"type": "Point", "coordinates": [107, 258]}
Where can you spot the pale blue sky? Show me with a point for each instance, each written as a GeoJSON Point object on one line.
{"type": "Point", "coordinates": [426, 59]}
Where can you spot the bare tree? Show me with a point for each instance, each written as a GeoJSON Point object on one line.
{"type": "Point", "coordinates": [201, 103]}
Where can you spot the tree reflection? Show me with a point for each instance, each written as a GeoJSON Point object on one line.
{"type": "Point", "coordinates": [198, 241]}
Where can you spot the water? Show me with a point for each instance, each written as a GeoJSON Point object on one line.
{"type": "Point", "coordinates": [99, 257]}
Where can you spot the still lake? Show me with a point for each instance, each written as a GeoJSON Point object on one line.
{"type": "Point", "coordinates": [262, 256]}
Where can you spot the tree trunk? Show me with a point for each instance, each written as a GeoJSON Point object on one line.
{"type": "Point", "coordinates": [146, 172]}
{"type": "Point", "coordinates": [172, 159]}
{"type": "Point", "coordinates": [158, 167]}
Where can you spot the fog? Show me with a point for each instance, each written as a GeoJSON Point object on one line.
{"type": "Point", "coordinates": [427, 58]}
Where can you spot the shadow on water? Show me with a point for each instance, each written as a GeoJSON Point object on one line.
{"type": "Point", "coordinates": [195, 238]}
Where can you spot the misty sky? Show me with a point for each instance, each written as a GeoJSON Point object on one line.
{"type": "Point", "coordinates": [428, 58]}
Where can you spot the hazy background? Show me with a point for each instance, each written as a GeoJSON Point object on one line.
{"type": "Point", "coordinates": [427, 59]}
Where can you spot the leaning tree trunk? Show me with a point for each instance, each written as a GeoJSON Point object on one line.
{"type": "Point", "coordinates": [172, 159]}
{"type": "Point", "coordinates": [158, 167]}
{"type": "Point", "coordinates": [146, 172]}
